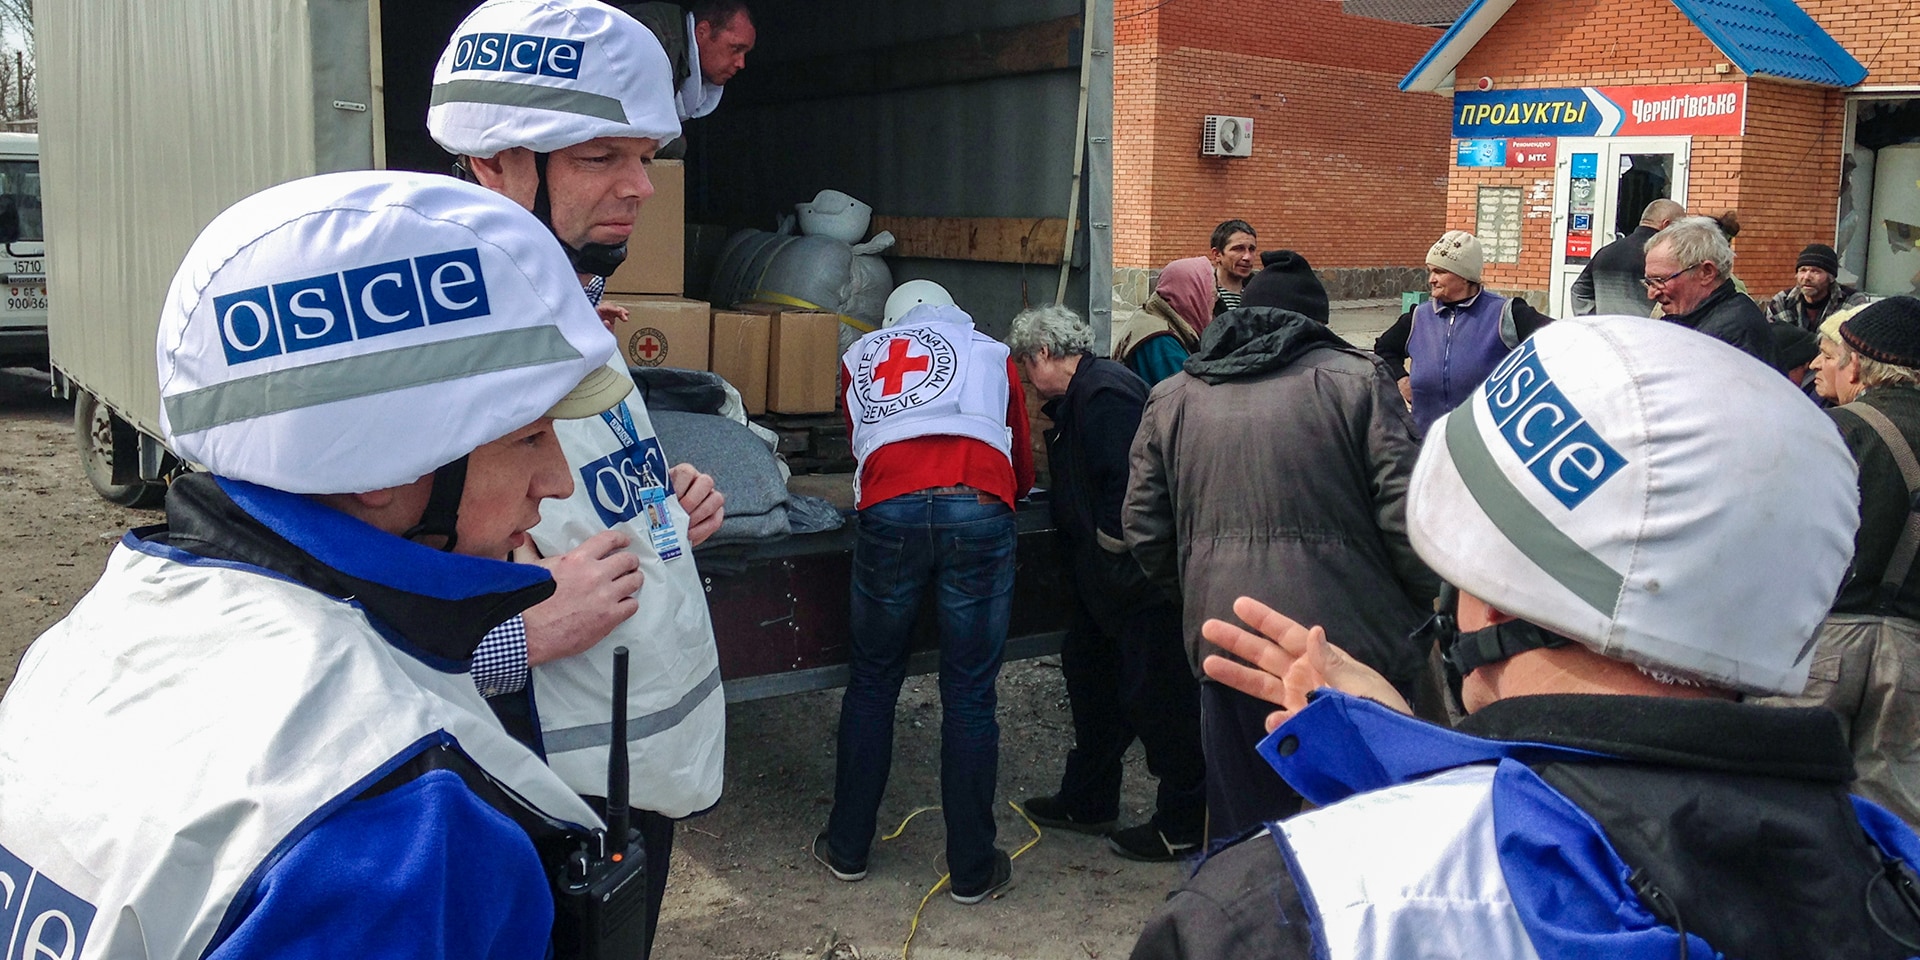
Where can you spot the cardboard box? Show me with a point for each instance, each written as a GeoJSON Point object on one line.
{"type": "Point", "coordinates": [657, 252]}
{"type": "Point", "coordinates": [740, 351]}
{"type": "Point", "coordinates": [803, 362]}
{"type": "Point", "coordinates": [663, 331]}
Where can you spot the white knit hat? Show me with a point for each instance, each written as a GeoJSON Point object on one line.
{"type": "Point", "coordinates": [355, 331]}
{"type": "Point", "coordinates": [547, 74]}
{"type": "Point", "coordinates": [1650, 492]}
{"type": "Point", "coordinates": [1458, 252]}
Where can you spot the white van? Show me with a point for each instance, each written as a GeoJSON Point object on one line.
{"type": "Point", "coordinates": [23, 250]}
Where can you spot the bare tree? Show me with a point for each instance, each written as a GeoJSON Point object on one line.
{"type": "Point", "coordinates": [18, 98]}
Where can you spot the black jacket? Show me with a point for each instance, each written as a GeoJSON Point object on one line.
{"type": "Point", "coordinates": [1738, 812]}
{"type": "Point", "coordinates": [1884, 503]}
{"type": "Point", "coordinates": [668, 21]}
{"type": "Point", "coordinates": [1610, 284]}
{"type": "Point", "coordinates": [1731, 317]}
{"type": "Point", "coordinates": [1093, 427]}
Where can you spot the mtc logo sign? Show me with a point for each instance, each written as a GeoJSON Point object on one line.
{"type": "Point", "coordinates": [518, 53]}
{"type": "Point", "coordinates": [626, 482]}
{"type": "Point", "coordinates": [351, 305]}
{"type": "Point", "coordinates": [39, 920]}
{"type": "Point", "coordinates": [1546, 432]}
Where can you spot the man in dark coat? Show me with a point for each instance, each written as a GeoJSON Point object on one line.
{"type": "Point", "coordinates": [1817, 292]}
{"type": "Point", "coordinates": [706, 46]}
{"type": "Point", "coordinates": [1275, 466]}
{"type": "Point", "coordinates": [1610, 283]}
{"type": "Point", "coordinates": [1123, 661]}
{"type": "Point", "coordinates": [1689, 266]}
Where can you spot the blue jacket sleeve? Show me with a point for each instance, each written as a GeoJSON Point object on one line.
{"type": "Point", "coordinates": [1158, 359]}
{"type": "Point", "coordinates": [426, 871]}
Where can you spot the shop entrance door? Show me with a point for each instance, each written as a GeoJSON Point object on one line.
{"type": "Point", "coordinates": [1600, 187]}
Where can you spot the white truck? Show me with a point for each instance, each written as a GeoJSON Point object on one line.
{"type": "Point", "coordinates": [958, 117]}
{"type": "Point", "coordinates": [23, 254]}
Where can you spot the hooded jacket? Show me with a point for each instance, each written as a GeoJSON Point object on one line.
{"type": "Point", "coordinates": [1275, 466]}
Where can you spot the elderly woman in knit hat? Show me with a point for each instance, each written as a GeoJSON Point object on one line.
{"type": "Point", "coordinates": [1275, 465]}
{"type": "Point", "coordinates": [1156, 340]}
{"type": "Point", "coordinates": [1456, 338]}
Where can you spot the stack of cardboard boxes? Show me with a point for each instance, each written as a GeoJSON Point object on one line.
{"type": "Point", "coordinates": [781, 360]}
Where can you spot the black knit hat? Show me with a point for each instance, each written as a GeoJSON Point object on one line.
{"type": "Point", "coordinates": [1792, 346]}
{"type": "Point", "coordinates": [1287, 281]}
{"type": "Point", "coordinates": [1886, 330]}
{"type": "Point", "coordinates": [1819, 255]}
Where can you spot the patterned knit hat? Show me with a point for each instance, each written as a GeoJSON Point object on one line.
{"type": "Point", "coordinates": [1457, 252]}
{"type": "Point", "coordinates": [1886, 330]}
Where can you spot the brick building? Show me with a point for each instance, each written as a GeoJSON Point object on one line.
{"type": "Point", "coordinates": [1344, 168]}
{"type": "Point", "coordinates": [1569, 116]}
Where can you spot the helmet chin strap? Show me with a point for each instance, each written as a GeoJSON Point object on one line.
{"type": "Point", "coordinates": [595, 259]}
{"type": "Point", "coordinates": [443, 506]}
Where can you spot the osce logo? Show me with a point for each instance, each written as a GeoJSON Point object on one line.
{"type": "Point", "coordinates": [625, 482]}
{"type": "Point", "coordinates": [1557, 444]}
{"type": "Point", "coordinates": [351, 305]}
{"type": "Point", "coordinates": [519, 53]}
{"type": "Point", "coordinates": [39, 920]}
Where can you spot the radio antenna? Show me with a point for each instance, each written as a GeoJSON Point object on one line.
{"type": "Point", "coordinates": [617, 786]}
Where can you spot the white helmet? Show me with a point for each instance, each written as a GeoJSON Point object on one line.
{"type": "Point", "coordinates": [547, 74]}
{"type": "Point", "coordinates": [356, 331]}
{"type": "Point", "coordinates": [912, 294]}
{"type": "Point", "coordinates": [1652, 493]}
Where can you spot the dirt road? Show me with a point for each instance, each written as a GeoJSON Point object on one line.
{"type": "Point", "coordinates": [743, 885]}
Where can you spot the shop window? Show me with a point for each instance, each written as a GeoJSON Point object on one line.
{"type": "Point", "coordinates": [1879, 231]}
{"type": "Point", "coordinates": [1498, 224]}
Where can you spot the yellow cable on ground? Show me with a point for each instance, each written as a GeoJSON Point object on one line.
{"type": "Point", "coordinates": [913, 928]}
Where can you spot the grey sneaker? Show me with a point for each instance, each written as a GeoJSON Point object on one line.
{"type": "Point", "coordinates": [824, 853]}
{"type": "Point", "coordinates": [1146, 843]}
{"type": "Point", "coordinates": [1001, 879]}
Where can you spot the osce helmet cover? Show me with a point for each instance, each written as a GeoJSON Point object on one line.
{"type": "Point", "coordinates": [914, 293]}
{"type": "Point", "coordinates": [548, 74]}
{"type": "Point", "coordinates": [1647, 491]}
{"type": "Point", "coordinates": [355, 331]}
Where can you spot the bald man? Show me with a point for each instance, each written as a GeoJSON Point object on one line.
{"type": "Point", "coordinates": [1611, 282]}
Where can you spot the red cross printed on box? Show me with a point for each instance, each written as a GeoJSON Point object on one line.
{"type": "Point", "coordinates": [649, 346]}
{"type": "Point", "coordinates": [892, 372]}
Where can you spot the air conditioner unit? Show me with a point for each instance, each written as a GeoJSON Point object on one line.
{"type": "Point", "coordinates": [1227, 137]}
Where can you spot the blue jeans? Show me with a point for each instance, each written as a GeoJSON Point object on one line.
{"type": "Point", "coordinates": [964, 550]}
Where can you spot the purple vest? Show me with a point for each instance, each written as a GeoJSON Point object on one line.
{"type": "Point", "coordinates": [1453, 350]}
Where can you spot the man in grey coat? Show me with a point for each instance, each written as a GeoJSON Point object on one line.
{"type": "Point", "coordinates": [1275, 466]}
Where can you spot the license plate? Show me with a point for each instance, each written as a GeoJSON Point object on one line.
{"type": "Point", "coordinates": [26, 298]}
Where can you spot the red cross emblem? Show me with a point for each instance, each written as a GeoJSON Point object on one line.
{"type": "Point", "coordinates": [648, 346]}
{"type": "Point", "coordinates": [892, 372]}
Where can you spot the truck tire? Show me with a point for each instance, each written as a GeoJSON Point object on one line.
{"type": "Point", "coordinates": [93, 427]}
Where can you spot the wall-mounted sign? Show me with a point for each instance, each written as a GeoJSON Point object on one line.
{"type": "Point", "coordinates": [1674, 109]}
{"type": "Point", "coordinates": [1536, 152]}
{"type": "Point", "coordinates": [1581, 182]}
{"type": "Point", "coordinates": [1481, 153]}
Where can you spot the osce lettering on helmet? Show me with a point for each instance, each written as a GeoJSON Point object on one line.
{"type": "Point", "coordinates": [351, 305]}
{"type": "Point", "coordinates": [1546, 431]}
{"type": "Point", "coordinates": [519, 53]}
{"type": "Point", "coordinates": [903, 371]}
{"type": "Point", "coordinates": [39, 919]}
{"type": "Point", "coordinates": [620, 483]}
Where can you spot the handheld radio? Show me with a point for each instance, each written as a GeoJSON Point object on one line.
{"type": "Point", "coordinates": [600, 897]}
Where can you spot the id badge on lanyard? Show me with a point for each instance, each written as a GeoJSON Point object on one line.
{"type": "Point", "coordinates": [653, 499]}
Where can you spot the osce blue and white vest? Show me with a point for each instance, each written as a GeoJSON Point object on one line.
{"type": "Point", "coordinates": [201, 714]}
{"type": "Point", "coordinates": [676, 710]}
{"type": "Point", "coordinates": [1455, 848]}
{"type": "Point", "coordinates": [1453, 354]}
{"type": "Point", "coordinates": [931, 375]}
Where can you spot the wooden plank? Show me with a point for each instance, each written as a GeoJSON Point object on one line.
{"type": "Point", "coordinates": [1035, 240]}
{"type": "Point", "coordinates": [978, 55]}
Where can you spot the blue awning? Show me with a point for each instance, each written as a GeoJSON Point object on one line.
{"type": "Point", "coordinates": [1764, 38]}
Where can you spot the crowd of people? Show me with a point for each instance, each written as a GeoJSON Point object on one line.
{"type": "Point", "coordinates": [1644, 574]}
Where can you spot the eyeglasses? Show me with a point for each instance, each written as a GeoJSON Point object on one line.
{"type": "Point", "coordinates": [1655, 283]}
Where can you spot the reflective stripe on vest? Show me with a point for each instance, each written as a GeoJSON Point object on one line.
{"type": "Point", "coordinates": [194, 715]}
{"type": "Point", "coordinates": [676, 728]}
{"type": "Point", "coordinates": [927, 379]}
